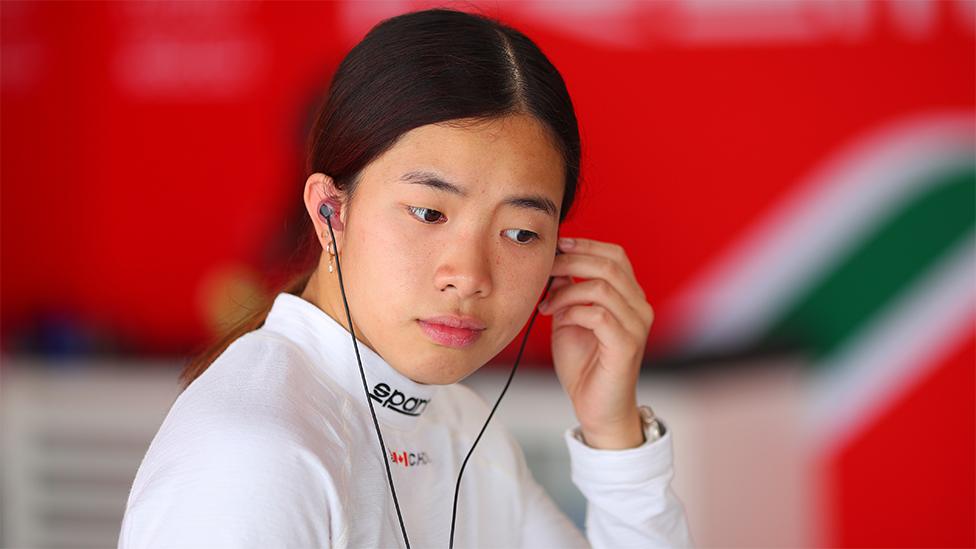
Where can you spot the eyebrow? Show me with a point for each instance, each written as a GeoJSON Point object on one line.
{"type": "Point", "coordinates": [529, 201]}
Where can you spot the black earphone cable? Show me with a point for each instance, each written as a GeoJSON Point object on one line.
{"type": "Point", "coordinates": [525, 338]}
{"type": "Point", "coordinates": [326, 212]}
{"type": "Point", "coordinates": [362, 373]}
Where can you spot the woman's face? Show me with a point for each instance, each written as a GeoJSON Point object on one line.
{"type": "Point", "coordinates": [412, 248]}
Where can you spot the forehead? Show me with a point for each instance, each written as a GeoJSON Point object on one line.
{"type": "Point", "coordinates": [487, 158]}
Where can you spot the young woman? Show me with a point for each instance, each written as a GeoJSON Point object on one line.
{"type": "Point", "coordinates": [442, 164]}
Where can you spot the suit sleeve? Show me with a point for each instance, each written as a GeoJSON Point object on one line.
{"type": "Point", "coordinates": [629, 499]}
{"type": "Point", "coordinates": [630, 502]}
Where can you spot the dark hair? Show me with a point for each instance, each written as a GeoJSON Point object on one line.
{"type": "Point", "coordinates": [411, 70]}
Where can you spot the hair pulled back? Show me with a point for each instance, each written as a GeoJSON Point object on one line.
{"type": "Point", "coordinates": [418, 68]}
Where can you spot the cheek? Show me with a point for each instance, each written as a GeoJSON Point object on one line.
{"type": "Point", "coordinates": [521, 281]}
{"type": "Point", "coordinates": [531, 271]}
{"type": "Point", "coordinates": [390, 262]}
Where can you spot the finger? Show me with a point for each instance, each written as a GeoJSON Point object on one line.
{"type": "Point", "coordinates": [599, 292]}
{"type": "Point", "coordinates": [608, 250]}
{"type": "Point", "coordinates": [602, 322]}
{"type": "Point", "coordinates": [593, 266]}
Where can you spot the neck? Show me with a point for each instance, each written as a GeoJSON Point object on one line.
{"type": "Point", "coordinates": [324, 292]}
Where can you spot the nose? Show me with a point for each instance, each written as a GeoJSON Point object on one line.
{"type": "Point", "coordinates": [465, 269]}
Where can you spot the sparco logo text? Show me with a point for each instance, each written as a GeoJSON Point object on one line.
{"type": "Point", "coordinates": [397, 401]}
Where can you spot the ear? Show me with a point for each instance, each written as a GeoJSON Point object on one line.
{"type": "Point", "coordinates": [320, 188]}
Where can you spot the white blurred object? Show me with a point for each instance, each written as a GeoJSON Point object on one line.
{"type": "Point", "coordinates": [740, 465]}
{"type": "Point", "coordinates": [73, 435]}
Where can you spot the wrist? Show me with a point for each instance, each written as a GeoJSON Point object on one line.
{"type": "Point", "coordinates": [619, 435]}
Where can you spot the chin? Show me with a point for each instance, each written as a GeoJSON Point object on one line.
{"type": "Point", "coordinates": [435, 375]}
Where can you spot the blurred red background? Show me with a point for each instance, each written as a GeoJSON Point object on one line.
{"type": "Point", "coordinates": [152, 173]}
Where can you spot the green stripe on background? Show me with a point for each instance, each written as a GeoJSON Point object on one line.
{"type": "Point", "coordinates": [903, 248]}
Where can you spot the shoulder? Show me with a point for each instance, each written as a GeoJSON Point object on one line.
{"type": "Point", "coordinates": [258, 356]}
{"type": "Point", "coordinates": [242, 453]}
{"type": "Point", "coordinates": [261, 379]}
{"type": "Point", "coordinates": [222, 443]}
{"type": "Point", "coordinates": [253, 472]}
{"type": "Point", "coordinates": [245, 417]}
{"type": "Point", "coordinates": [230, 485]}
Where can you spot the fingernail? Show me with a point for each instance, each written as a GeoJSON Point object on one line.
{"type": "Point", "coordinates": [567, 243]}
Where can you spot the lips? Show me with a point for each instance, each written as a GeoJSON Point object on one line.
{"type": "Point", "coordinates": [454, 321]}
{"type": "Point", "coordinates": [452, 331]}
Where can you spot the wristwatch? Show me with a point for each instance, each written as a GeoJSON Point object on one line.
{"type": "Point", "coordinates": [651, 425]}
{"type": "Point", "coordinates": [653, 429]}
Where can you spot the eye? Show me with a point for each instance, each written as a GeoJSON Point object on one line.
{"type": "Point", "coordinates": [425, 214]}
{"type": "Point", "coordinates": [522, 232]}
